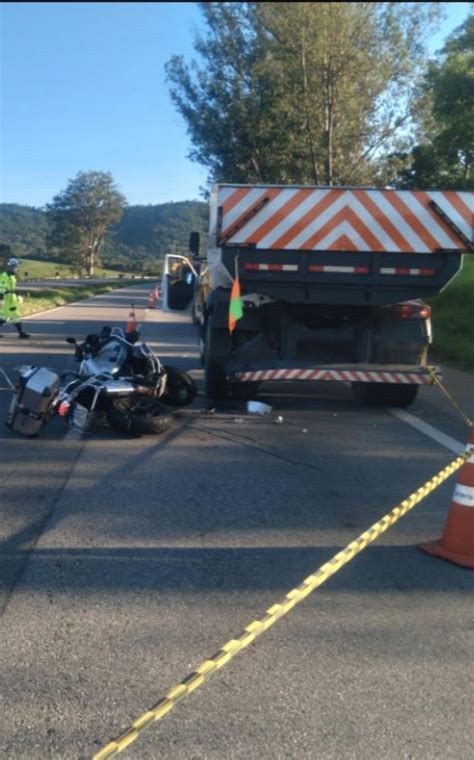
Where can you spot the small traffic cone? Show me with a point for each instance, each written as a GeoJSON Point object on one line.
{"type": "Point", "coordinates": [151, 300]}
{"type": "Point", "coordinates": [132, 322]}
{"type": "Point", "coordinates": [457, 542]}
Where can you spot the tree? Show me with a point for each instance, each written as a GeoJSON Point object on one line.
{"type": "Point", "coordinates": [224, 103]}
{"type": "Point", "coordinates": [81, 215]}
{"type": "Point", "coordinates": [5, 253]}
{"type": "Point", "coordinates": [300, 92]}
{"type": "Point", "coordinates": [445, 156]}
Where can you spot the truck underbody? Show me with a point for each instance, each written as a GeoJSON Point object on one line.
{"type": "Point", "coordinates": [280, 341]}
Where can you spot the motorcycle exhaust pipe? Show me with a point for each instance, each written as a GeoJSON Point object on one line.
{"type": "Point", "coordinates": [117, 388]}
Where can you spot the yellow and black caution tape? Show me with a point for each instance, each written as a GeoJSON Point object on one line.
{"type": "Point", "coordinates": [196, 679]}
{"type": "Point", "coordinates": [443, 389]}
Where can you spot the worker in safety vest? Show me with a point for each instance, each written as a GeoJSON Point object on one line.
{"type": "Point", "coordinates": [10, 310]}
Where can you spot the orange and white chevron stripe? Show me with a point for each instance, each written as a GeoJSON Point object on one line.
{"type": "Point", "coordinates": [419, 377]}
{"type": "Point", "coordinates": [344, 219]}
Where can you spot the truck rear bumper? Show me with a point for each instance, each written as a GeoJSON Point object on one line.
{"type": "Point", "coordinates": [373, 373]}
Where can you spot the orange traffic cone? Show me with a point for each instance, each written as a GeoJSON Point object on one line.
{"type": "Point", "coordinates": [151, 300]}
{"type": "Point", "coordinates": [457, 542]}
{"type": "Point", "coordinates": [132, 322]}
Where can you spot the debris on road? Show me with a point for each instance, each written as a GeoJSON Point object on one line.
{"type": "Point", "coordinates": [256, 407]}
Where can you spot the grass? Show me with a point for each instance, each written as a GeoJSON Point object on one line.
{"type": "Point", "coordinates": [453, 320]}
{"type": "Point", "coordinates": [50, 298]}
{"type": "Point", "coordinates": [38, 270]}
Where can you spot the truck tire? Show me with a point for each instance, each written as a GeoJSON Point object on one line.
{"type": "Point", "coordinates": [216, 347]}
{"type": "Point", "coordinates": [215, 379]}
{"type": "Point", "coordinates": [195, 313]}
{"type": "Point", "coordinates": [138, 414]}
{"type": "Point", "coordinates": [244, 391]}
{"type": "Point", "coordinates": [384, 394]}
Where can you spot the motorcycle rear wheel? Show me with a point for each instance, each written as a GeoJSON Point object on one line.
{"type": "Point", "coordinates": [180, 387]}
{"type": "Point", "coordinates": [137, 414]}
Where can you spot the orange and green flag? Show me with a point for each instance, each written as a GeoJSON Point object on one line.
{"type": "Point", "coordinates": [235, 307]}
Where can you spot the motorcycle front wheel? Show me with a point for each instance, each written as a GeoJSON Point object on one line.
{"type": "Point", "coordinates": [137, 414]}
{"type": "Point", "coordinates": [180, 387]}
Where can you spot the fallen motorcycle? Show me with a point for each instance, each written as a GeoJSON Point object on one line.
{"type": "Point", "coordinates": [117, 377]}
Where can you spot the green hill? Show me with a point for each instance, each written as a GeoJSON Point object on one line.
{"type": "Point", "coordinates": [161, 228]}
{"type": "Point", "coordinates": [24, 229]}
{"type": "Point", "coordinates": [138, 242]}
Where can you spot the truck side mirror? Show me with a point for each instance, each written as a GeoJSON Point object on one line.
{"type": "Point", "coordinates": [194, 243]}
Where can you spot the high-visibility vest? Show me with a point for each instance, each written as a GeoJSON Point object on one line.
{"type": "Point", "coordinates": [11, 304]}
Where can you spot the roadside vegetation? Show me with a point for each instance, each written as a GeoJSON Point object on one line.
{"type": "Point", "coordinates": [50, 298]}
{"type": "Point", "coordinates": [453, 323]}
{"type": "Point", "coordinates": [45, 270]}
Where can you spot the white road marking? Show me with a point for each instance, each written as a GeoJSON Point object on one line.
{"type": "Point", "coordinates": [429, 430]}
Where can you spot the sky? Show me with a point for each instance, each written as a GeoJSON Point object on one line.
{"type": "Point", "coordinates": [82, 87]}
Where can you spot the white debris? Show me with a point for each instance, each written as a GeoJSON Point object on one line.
{"type": "Point", "coordinates": [279, 420]}
{"type": "Point", "coordinates": [256, 407]}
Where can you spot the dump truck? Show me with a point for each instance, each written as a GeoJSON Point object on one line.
{"type": "Point", "coordinates": [331, 282]}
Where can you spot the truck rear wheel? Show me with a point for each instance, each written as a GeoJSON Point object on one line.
{"type": "Point", "coordinates": [244, 391]}
{"type": "Point", "coordinates": [215, 379]}
{"type": "Point", "coordinates": [216, 347]}
{"type": "Point", "coordinates": [384, 394]}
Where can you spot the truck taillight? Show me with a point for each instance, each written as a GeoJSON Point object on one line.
{"type": "Point", "coordinates": [425, 312]}
{"type": "Point", "coordinates": [411, 311]}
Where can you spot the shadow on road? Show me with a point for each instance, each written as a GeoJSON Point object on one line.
{"type": "Point", "coordinates": [237, 568]}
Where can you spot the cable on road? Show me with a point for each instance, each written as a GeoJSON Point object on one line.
{"type": "Point", "coordinates": [10, 386]}
{"type": "Point", "coordinates": [225, 654]}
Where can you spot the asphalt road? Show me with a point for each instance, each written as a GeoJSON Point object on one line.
{"type": "Point", "coordinates": [126, 562]}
